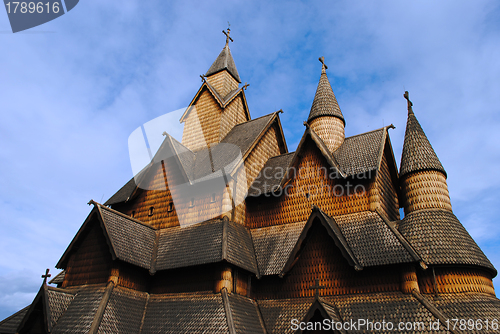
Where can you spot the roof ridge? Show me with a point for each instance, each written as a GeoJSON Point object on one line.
{"type": "Point", "coordinates": [121, 214]}
{"type": "Point", "coordinates": [365, 133]}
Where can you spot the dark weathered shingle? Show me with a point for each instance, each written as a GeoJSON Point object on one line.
{"type": "Point", "coordinates": [278, 313]}
{"type": "Point", "coordinates": [59, 278]}
{"type": "Point", "coordinates": [185, 313]}
{"type": "Point", "coordinates": [58, 303]}
{"type": "Point", "coordinates": [123, 194]}
{"type": "Point", "coordinates": [132, 241]}
{"type": "Point", "coordinates": [224, 61]}
{"type": "Point", "coordinates": [245, 316]}
{"type": "Point", "coordinates": [273, 246]}
{"type": "Point", "coordinates": [361, 153]}
{"type": "Point", "coordinates": [371, 240]}
{"type": "Point", "coordinates": [9, 325]}
{"type": "Point", "coordinates": [80, 313]}
{"type": "Point", "coordinates": [240, 250]}
{"type": "Point", "coordinates": [271, 174]}
{"type": "Point", "coordinates": [392, 307]}
{"type": "Point", "coordinates": [123, 313]}
{"type": "Point", "coordinates": [325, 103]}
{"type": "Point", "coordinates": [418, 153]}
{"type": "Point", "coordinates": [189, 246]}
{"type": "Point", "coordinates": [439, 238]}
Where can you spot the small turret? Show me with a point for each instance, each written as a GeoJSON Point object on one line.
{"type": "Point", "coordinates": [423, 178]}
{"type": "Point", "coordinates": [223, 75]}
{"type": "Point", "coordinates": [325, 117]}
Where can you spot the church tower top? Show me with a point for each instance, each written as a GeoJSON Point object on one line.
{"type": "Point", "coordinates": [325, 103]}
{"type": "Point", "coordinates": [418, 154]}
{"type": "Point", "coordinates": [225, 60]}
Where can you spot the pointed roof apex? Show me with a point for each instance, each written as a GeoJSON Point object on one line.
{"type": "Point", "coordinates": [225, 60]}
{"type": "Point", "coordinates": [325, 103]}
{"type": "Point", "coordinates": [418, 154]}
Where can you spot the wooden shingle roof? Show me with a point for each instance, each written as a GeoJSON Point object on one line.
{"type": "Point", "coordinates": [439, 238]}
{"type": "Point", "coordinates": [325, 103]}
{"type": "Point", "coordinates": [418, 154]}
{"type": "Point", "coordinates": [224, 61]}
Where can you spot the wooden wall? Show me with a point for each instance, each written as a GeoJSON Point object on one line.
{"type": "Point", "coordinates": [233, 114]}
{"type": "Point", "coordinates": [321, 259]}
{"type": "Point", "coordinates": [324, 192]}
{"type": "Point", "coordinates": [196, 278]}
{"type": "Point", "coordinates": [455, 280]}
{"type": "Point", "coordinates": [223, 82]}
{"type": "Point", "coordinates": [91, 263]}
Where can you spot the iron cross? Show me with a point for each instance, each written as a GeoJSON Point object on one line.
{"type": "Point", "coordinates": [47, 275]}
{"type": "Point", "coordinates": [316, 287]}
{"type": "Point", "coordinates": [228, 38]}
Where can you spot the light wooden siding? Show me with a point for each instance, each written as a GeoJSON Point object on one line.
{"type": "Point", "coordinates": [425, 190]}
{"type": "Point", "coordinates": [384, 194]}
{"type": "Point", "coordinates": [325, 192]}
{"type": "Point", "coordinates": [330, 129]}
{"type": "Point", "coordinates": [321, 259]}
{"type": "Point", "coordinates": [456, 280]}
{"type": "Point", "coordinates": [91, 263]}
{"type": "Point", "coordinates": [223, 82]}
{"type": "Point", "coordinates": [202, 125]}
{"type": "Point", "coordinates": [233, 114]}
{"type": "Point", "coordinates": [266, 148]}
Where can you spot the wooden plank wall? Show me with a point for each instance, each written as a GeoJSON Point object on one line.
{"type": "Point", "coordinates": [455, 280]}
{"type": "Point", "coordinates": [91, 263]}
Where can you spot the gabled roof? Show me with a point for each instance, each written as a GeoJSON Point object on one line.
{"type": "Point", "coordinates": [224, 61]}
{"type": "Point", "coordinates": [365, 239]}
{"type": "Point", "coordinates": [241, 139]}
{"type": "Point", "coordinates": [133, 242]}
{"type": "Point", "coordinates": [418, 154]}
{"type": "Point", "coordinates": [10, 324]}
{"type": "Point", "coordinates": [223, 101]}
{"type": "Point", "coordinates": [325, 103]}
{"type": "Point", "coordinates": [357, 154]}
{"type": "Point", "coordinates": [440, 239]}
{"type": "Point", "coordinates": [49, 304]}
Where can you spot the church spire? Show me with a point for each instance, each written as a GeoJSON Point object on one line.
{"type": "Point", "coordinates": [423, 178]}
{"type": "Point", "coordinates": [325, 117]}
{"type": "Point", "coordinates": [418, 153]}
{"type": "Point", "coordinates": [225, 60]}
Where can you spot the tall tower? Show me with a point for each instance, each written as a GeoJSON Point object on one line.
{"type": "Point", "coordinates": [423, 178]}
{"type": "Point", "coordinates": [325, 117]}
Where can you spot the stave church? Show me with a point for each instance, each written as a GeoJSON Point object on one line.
{"type": "Point", "coordinates": [229, 232]}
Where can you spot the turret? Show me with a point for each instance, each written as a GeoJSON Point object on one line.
{"type": "Point", "coordinates": [325, 117]}
{"type": "Point", "coordinates": [223, 75]}
{"type": "Point", "coordinates": [423, 178]}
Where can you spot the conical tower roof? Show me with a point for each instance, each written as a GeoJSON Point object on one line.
{"type": "Point", "coordinates": [418, 153]}
{"type": "Point", "coordinates": [325, 103]}
{"type": "Point", "coordinates": [224, 61]}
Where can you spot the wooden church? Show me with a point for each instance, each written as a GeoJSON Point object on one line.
{"type": "Point", "coordinates": [309, 241]}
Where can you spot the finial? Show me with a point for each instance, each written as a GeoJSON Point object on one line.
{"type": "Point", "coordinates": [164, 133]}
{"type": "Point", "coordinates": [322, 61]}
{"type": "Point", "coordinates": [228, 38]}
{"type": "Point", "coordinates": [245, 86]}
{"type": "Point", "coordinates": [410, 104]}
{"type": "Point", "coordinates": [47, 275]}
{"type": "Point", "coordinates": [202, 76]}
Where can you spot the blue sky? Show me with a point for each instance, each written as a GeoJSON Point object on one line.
{"type": "Point", "coordinates": [74, 89]}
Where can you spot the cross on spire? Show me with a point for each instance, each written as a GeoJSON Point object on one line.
{"type": "Point", "coordinates": [47, 275]}
{"type": "Point", "coordinates": [228, 38]}
{"type": "Point", "coordinates": [322, 61]}
{"type": "Point", "coordinates": [316, 287]}
{"type": "Point", "coordinates": [410, 104]}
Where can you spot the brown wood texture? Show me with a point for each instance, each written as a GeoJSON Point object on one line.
{"type": "Point", "coordinates": [233, 114]}
{"type": "Point", "coordinates": [312, 177]}
{"type": "Point", "coordinates": [202, 124]}
{"type": "Point", "coordinates": [130, 276]}
{"type": "Point", "coordinates": [223, 82]}
{"type": "Point", "coordinates": [321, 259]}
{"type": "Point", "coordinates": [384, 194]}
{"type": "Point", "coordinates": [330, 129]}
{"type": "Point", "coordinates": [91, 263]}
{"type": "Point", "coordinates": [455, 280]}
{"type": "Point", "coordinates": [425, 190]}
{"type": "Point", "coordinates": [196, 278]}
